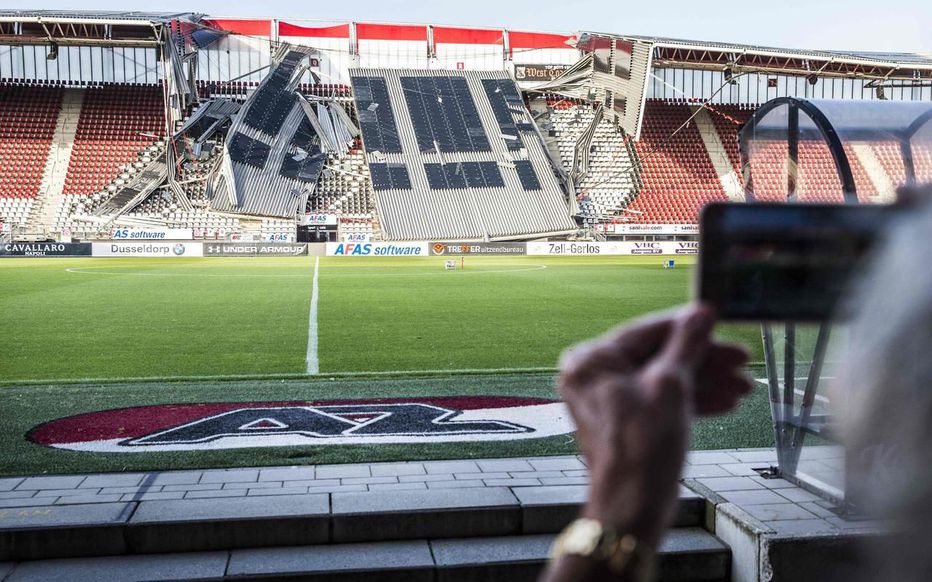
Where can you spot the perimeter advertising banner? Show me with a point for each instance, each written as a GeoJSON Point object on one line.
{"type": "Point", "coordinates": [539, 73]}
{"type": "Point", "coordinates": [148, 249]}
{"type": "Point", "coordinates": [478, 249]}
{"type": "Point", "coordinates": [629, 248]}
{"type": "Point", "coordinates": [45, 249]}
{"type": "Point", "coordinates": [255, 250]}
{"type": "Point", "coordinates": [400, 249]}
{"type": "Point", "coordinates": [654, 228]}
{"type": "Point", "coordinates": [152, 234]}
{"type": "Point", "coordinates": [317, 220]}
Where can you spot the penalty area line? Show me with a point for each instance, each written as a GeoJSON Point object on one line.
{"type": "Point", "coordinates": [313, 361]}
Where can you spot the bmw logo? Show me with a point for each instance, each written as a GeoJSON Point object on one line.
{"type": "Point", "coordinates": [179, 249]}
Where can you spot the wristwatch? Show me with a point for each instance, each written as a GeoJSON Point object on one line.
{"type": "Point", "coordinates": [621, 554]}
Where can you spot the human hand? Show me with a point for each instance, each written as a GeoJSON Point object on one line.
{"type": "Point", "coordinates": [633, 394]}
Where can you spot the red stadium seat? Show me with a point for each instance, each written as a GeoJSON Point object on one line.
{"type": "Point", "coordinates": [109, 136]}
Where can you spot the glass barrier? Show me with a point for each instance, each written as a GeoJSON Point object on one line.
{"type": "Point", "coordinates": [829, 152]}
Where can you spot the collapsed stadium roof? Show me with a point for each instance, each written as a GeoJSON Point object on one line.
{"type": "Point", "coordinates": [705, 54]}
{"type": "Point", "coordinates": [668, 51]}
{"type": "Point", "coordinates": [79, 28]}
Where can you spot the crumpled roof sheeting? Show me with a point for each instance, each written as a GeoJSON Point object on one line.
{"type": "Point", "coordinates": [207, 119]}
{"type": "Point", "coordinates": [272, 157]}
{"type": "Point", "coordinates": [422, 213]}
{"type": "Point", "coordinates": [132, 194]}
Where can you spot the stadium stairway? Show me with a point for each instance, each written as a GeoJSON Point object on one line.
{"type": "Point", "coordinates": [486, 532]}
{"type": "Point", "coordinates": [50, 194]}
{"type": "Point", "coordinates": [731, 182]}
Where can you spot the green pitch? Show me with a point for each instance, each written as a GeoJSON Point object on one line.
{"type": "Point", "coordinates": [69, 319]}
{"type": "Point", "coordinates": [83, 334]}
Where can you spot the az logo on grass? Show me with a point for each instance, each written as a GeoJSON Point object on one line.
{"type": "Point", "coordinates": [271, 424]}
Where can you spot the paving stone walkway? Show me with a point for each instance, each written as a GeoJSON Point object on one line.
{"type": "Point", "coordinates": [730, 474]}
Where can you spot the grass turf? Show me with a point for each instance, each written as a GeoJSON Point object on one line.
{"type": "Point", "coordinates": [25, 407]}
{"type": "Point", "coordinates": [130, 318]}
{"type": "Point", "coordinates": [117, 319]}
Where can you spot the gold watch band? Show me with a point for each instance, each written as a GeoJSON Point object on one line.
{"type": "Point", "coordinates": [620, 553]}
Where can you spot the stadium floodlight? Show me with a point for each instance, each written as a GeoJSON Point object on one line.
{"type": "Point", "coordinates": [53, 52]}
{"type": "Point", "coordinates": [813, 79]}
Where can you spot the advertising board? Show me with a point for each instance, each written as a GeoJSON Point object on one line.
{"type": "Point", "coordinates": [524, 73]}
{"type": "Point", "coordinates": [317, 220]}
{"type": "Point", "coordinates": [401, 249]}
{"type": "Point", "coordinates": [45, 249]}
{"type": "Point", "coordinates": [255, 249]}
{"type": "Point", "coordinates": [629, 248]}
{"type": "Point", "coordinates": [281, 237]}
{"type": "Point", "coordinates": [147, 249]}
{"type": "Point", "coordinates": [477, 249]}
{"type": "Point", "coordinates": [654, 228]}
{"type": "Point", "coordinates": [152, 234]}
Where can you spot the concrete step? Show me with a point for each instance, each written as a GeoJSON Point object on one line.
{"type": "Point", "coordinates": [197, 525]}
{"type": "Point", "coordinates": [686, 555]}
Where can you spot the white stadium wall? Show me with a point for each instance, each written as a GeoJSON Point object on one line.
{"type": "Point", "coordinates": [334, 41]}
{"type": "Point", "coordinates": [468, 49]}
{"type": "Point", "coordinates": [392, 46]}
{"type": "Point", "coordinates": [80, 65]}
{"type": "Point", "coordinates": [240, 55]}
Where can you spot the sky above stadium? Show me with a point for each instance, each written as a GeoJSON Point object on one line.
{"type": "Point", "coordinates": [888, 25]}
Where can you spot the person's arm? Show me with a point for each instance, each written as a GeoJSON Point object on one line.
{"type": "Point", "coordinates": [633, 394]}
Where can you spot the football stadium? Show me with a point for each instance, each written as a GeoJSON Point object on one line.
{"type": "Point", "coordinates": [251, 261]}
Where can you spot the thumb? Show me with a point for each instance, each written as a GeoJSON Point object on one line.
{"type": "Point", "coordinates": [689, 337]}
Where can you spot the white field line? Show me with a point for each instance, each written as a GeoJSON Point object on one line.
{"type": "Point", "coordinates": [439, 273]}
{"type": "Point", "coordinates": [818, 397]}
{"type": "Point", "coordinates": [313, 360]}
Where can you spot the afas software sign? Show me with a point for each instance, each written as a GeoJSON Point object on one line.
{"type": "Point", "coordinates": [152, 234]}
{"type": "Point", "coordinates": [364, 249]}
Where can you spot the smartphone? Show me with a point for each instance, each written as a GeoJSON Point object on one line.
{"type": "Point", "coordinates": [785, 262]}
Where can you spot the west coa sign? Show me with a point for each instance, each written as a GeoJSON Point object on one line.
{"type": "Point", "coordinates": [274, 424]}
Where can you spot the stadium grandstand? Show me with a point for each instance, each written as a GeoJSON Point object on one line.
{"type": "Point", "coordinates": [287, 130]}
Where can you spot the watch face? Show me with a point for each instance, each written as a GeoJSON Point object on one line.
{"type": "Point", "coordinates": [583, 537]}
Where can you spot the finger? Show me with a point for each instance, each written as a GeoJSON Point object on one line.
{"type": "Point", "coordinates": [617, 351]}
{"type": "Point", "coordinates": [726, 354]}
{"type": "Point", "coordinates": [720, 360]}
{"type": "Point", "coordinates": [642, 339]}
{"type": "Point", "coordinates": [689, 337]}
{"type": "Point", "coordinates": [722, 404]}
{"type": "Point", "coordinates": [723, 397]}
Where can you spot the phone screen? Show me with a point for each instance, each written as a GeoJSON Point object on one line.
{"type": "Point", "coordinates": [788, 262]}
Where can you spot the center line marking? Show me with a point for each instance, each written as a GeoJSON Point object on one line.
{"type": "Point", "coordinates": [313, 361]}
